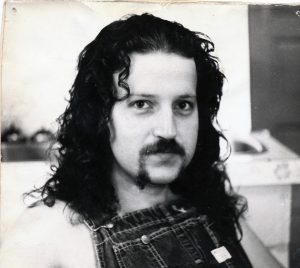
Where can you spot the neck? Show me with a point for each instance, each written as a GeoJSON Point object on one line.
{"type": "Point", "coordinates": [132, 198]}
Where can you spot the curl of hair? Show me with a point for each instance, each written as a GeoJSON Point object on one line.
{"type": "Point", "coordinates": [81, 177]}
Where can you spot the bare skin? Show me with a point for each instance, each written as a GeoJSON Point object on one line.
{"type": "Point", "coordinates": [44, 237]}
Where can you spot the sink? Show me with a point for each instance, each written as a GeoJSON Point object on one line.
{"type": "Point", "coordinates": [250, 146]}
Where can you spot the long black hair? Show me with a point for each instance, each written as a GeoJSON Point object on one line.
{"type": "Point", "coordinates": [81, 177]}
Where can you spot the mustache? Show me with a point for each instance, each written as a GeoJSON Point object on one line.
{"type": "Point", "coordinates": [163, 146]}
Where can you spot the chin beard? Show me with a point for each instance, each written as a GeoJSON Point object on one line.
{"type": "Point", "coordinates": [143, 178]}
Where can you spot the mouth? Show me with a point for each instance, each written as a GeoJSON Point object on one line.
{"type": "Point", "coordinates": [163, 158]}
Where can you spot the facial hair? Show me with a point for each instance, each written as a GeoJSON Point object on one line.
{"type": "Point", "coordinates": [162, 146]}
{"type": "Point", "coordinates": [143, 177]}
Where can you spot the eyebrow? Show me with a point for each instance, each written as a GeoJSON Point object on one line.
{"type": "Point", "coordinates": [184, 96]}
{"type": "Point", "coordinates": [142, 95]}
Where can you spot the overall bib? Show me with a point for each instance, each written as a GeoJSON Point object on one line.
{"type": "Point", "coordinates": [166, 235]}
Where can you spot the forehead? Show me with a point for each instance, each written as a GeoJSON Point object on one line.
{"type": "Point", "coordinates": [160, 73]}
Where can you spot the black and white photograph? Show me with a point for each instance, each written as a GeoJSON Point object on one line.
{"type": "Point", "coordinates": [150, 134]}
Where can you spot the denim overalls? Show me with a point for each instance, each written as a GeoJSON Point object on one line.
{"type": "Point", "coordinates": [166, 235]}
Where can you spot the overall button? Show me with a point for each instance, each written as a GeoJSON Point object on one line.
{"type": "Point", "coordinates": [198, 261]}
{"type": "Point", "coordinates": [145, 239]}
{"type": "Point", "coordinates": [109, 225]}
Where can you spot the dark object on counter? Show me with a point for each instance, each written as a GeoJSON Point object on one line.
{"type": "Point", "coordinates": [13, 134]}
{"type": "Point", "coordinates": [16, 147]}
{"type": "Point", "coordinates": [41, 136]}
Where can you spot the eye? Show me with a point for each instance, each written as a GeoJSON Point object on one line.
{"type": "Point", "coordinates": [141, 104]}
{"type": "Point", "coordinates": [184, 106]}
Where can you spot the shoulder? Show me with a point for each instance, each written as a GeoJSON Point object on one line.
{"type": "Point", "coordinates": [47, 237]}
{"type": "Point", "coordinates": [41, 221]}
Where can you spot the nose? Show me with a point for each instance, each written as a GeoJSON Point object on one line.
{"type": "Point", "coordinates": [165, 125]}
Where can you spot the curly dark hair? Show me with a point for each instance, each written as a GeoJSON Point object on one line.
{"type": "Point", "coordinates": [81, 177]}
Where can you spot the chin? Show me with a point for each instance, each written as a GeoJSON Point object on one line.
{"type": "Point", "coordinates": [163, 177]}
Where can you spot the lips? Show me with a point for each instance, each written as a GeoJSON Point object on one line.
{"type": "Point", "coordinates": [163, 158]}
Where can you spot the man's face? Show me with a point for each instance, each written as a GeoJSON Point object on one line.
{"type": "Point", "coordinates": [154, 131]}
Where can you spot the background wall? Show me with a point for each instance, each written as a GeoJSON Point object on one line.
{"type": "Point", "coordinates": [275, 67]}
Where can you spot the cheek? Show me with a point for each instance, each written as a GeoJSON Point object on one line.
{"type": "Point", "coordinates": [123, 145]}
{"type": "Point", "coordinates": [125, 136]}
{"type": "Point", "coordinates": [119, 126]}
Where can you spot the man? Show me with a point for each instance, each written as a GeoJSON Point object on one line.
{"type": "Point", "coordinates": [139, 181]}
